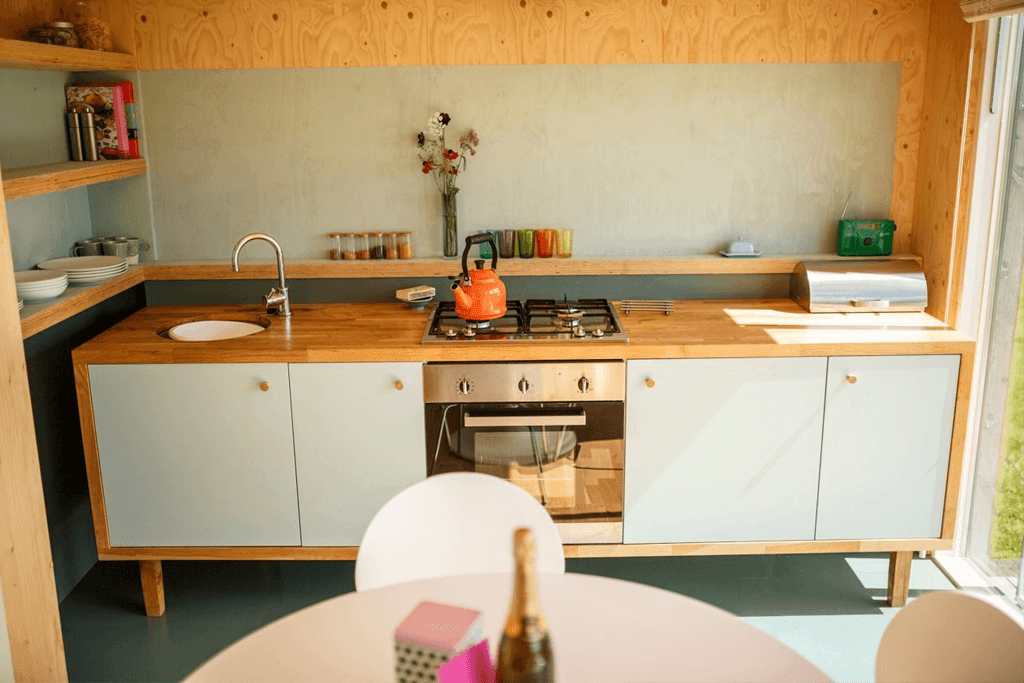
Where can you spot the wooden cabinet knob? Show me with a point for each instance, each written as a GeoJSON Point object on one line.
{"type": "Point", "coordinates": [852, 379]}
{"type": "Point", "coordinates": [399, 385]}
{"type": "Point", "coordinates": [264, 386]}
{"type": "Point", "coordinates": [649, 382]}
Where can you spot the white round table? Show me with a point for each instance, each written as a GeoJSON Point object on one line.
{"type": "Point", "coordinates": [601, 630]}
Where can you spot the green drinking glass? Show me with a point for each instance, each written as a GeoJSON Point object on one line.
{"type": "Point", "coordinates": [526, 243]}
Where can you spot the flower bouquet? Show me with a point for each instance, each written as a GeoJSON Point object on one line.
{"type": "Point", "coordinates": [445, 164]}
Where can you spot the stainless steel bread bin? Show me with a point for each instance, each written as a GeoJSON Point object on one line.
{"type": "Point", "coordinates": [868, 286]}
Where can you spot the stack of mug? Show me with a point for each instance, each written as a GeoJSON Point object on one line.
{"type": "Point", "coordinates": [126, 247]}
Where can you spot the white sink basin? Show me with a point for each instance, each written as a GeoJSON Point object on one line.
{"type": "Point", "coordinates": [213, 330]}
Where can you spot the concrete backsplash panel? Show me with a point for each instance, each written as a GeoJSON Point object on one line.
{"type": "Point", "coordinates": [638, 159]}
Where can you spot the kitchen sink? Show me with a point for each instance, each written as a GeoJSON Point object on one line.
{"type": "Point", "coordinates": [213, 330]}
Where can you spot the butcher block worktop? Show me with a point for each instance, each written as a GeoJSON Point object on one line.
{"type": "Point", "coordinates": [391, 332]}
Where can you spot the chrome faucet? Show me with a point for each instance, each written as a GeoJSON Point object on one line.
{"type": "Point", "coordinates": [277, 301]}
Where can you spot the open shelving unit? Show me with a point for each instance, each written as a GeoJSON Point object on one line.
{"type": "Point", "coordinates": [22, 54]}
{"type": "Point", "coordinates": [700, 264]}
{"type": "Point", "coordinates": [36, 317]}
{"type": "Point", "coordinates": [29, 181]}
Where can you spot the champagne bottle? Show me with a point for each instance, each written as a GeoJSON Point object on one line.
{"type": "Point", "coordinates": [524, 655]}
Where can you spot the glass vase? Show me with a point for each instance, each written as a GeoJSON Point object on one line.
{"type": "Point", "coordinates": [450, 224]}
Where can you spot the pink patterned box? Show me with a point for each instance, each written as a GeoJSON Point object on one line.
{"type": "Point", "coordinates": [428, 638]}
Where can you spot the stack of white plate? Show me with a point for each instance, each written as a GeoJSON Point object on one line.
{"type": "Point", "coordinates": [21, 304]}
{"type": "Point", "coordinates": [87, 270]}
{"type": "Point", "coordinates": [39, 285]}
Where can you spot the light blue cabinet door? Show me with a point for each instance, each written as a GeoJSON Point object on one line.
{"type": "Point", "coordinates": [359, 440]}
{"type": "Point", "coordinates": [722, 449]}
{"type": "Point", "coordinates": [196, 455]}
{"type": "Point", "coordinates": [885, 447]}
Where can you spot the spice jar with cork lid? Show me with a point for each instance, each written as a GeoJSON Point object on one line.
{"type": "Point", "coordinates": [89, 20]}
{"type": "Point", "coordinates": [362, 246]}
{"type": "Point", "coordinates": [405, 244]}
{"type": "Point", "coordinates": [335, 245]}
{"type": "Point", "coordinates": [348, 246]}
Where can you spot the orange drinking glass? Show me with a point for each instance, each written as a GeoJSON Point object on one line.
{"type": "Point", "coordinates": [545, 243]}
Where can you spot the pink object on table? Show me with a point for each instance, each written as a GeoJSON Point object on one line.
{"type": "Point", "coordinates": [469, 666]}
{"type": "Point", "coordinates": [430, 636]}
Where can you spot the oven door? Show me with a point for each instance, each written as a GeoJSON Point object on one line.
{"type": "Point", "coordinates": [568, 456]}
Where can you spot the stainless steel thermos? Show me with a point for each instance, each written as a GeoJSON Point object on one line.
{"type": "Point", "coordinates": [82, 136]}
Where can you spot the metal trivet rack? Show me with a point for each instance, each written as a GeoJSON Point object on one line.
{"type": "Point", "coordinates": [648, 305]}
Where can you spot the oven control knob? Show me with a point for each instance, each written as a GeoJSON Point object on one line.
{"type": "Point", "coordinates": [524, 386]}
{"type": "Point", "coordinates": [584, 385]}
{"type": "Point", "coordinates": [465, 386]}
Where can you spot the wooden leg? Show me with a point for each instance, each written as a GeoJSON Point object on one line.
{"type": "Point", "coordinates": [899, 577]}
{"type": "Point", "coordinates": [152, 586]}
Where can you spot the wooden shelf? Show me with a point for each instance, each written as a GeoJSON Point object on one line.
{"type": "Point", "coordinates": [326, 269]}
{"type": "Point", "coordinates": [22, 54]}
{"type": "Point", "coordinates": [36, 317]}
{"type": "Point", "coordinates": [64, 175]}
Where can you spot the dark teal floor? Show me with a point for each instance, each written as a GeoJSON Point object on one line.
{"type": "Point", "coordinates": [830, 608]}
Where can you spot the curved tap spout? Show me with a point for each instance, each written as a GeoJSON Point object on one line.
{"type": "Point", "coordinates": [278, 297]}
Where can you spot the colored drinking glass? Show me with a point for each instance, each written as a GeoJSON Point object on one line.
{"type": "Point", "coordinates": [563, 243]}
{"type": "Point", "coordinates": [545, 243]}
{"type": "Point", "coordinates": [526, 243]}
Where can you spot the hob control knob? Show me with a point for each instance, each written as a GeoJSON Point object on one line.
{"type": "Point", "coordinates": [584, 385]}
{"type": "Point", "coordinates": [598, 332]}
{"type": "Point", "coordinates": [524, 386]}
{"type": "Point", "coordinates": [465, 386]}
{"type": "Point", "coordinates": [451, 333]}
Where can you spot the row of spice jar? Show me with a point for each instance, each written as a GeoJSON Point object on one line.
{"type": "Point", "coordinates": [350, 246]}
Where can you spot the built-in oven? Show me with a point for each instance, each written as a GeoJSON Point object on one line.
{"type": "Point", "coordinates": [555, 429]}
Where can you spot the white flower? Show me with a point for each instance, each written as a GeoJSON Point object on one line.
{"type": "Point", "coordinates": [434, 127]}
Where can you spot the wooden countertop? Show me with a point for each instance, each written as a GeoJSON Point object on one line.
{"type": "Point", "coordinates": [391, 332]}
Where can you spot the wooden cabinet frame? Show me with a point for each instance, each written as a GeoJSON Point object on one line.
{"type": "Point", "coordinates": [900, 549]}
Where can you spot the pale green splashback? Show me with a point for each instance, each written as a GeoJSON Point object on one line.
{"type": "Point", "coordinates": [639, 159]}
{"type": "Point", "coordinates": [32, 131]}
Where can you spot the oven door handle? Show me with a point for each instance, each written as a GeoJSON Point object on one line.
{"type": "Point", "coordinates": [524, 418]}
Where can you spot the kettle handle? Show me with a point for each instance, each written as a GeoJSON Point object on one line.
{"type": "Point", "coordinates": [480, 238]}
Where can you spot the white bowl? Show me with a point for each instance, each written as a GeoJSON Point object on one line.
{"type": "Point", "coordinates": [39, 277]}
{"type": "Point", "coordinates": [42, 295]}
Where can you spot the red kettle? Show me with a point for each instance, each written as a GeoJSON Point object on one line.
{"type": "Point", "coordinates": [479, 293]}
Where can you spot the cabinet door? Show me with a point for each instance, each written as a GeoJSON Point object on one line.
{"type": "Point", "coordinates": [722, 449]}
{"type": "Point", "coordinates": [196, 455]}
{"type": "Point", "coordinates": [885, 447]}
{"type": "Point", "coordinates": [358, 441]}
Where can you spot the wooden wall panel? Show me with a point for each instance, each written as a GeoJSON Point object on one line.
{"type": "Point", "coordinates": [946, 87]}
{"type": "Point", "coordinates": [228, 34]}
{"type": "Point", "coordinates": [613, 32]}
{"type": "Point", "coordinates": [968, 155]}
{"type": "Point", "coordinates": [26, 564]}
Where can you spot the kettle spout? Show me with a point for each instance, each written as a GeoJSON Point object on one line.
{"type": "Point", "coordinates": [461, 297]}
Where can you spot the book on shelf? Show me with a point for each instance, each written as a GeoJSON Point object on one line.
{"type": "Point", "coordinates": [113, 106]}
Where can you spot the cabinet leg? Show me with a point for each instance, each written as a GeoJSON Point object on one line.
{"type": "Point", "coordinates": [152, 586]}
{"type": "Point", "coordinates": [899, 577]}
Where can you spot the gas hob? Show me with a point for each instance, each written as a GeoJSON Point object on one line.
{"type": "Point", "coordinates": [535, 320]}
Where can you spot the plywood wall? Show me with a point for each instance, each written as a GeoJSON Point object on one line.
{"type": "Point", "coordinates": [947, 156]}
{"type": "Point", "coordinates": [221, 34]}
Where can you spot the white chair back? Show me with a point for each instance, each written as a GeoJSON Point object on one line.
{"type": "Point", "coordinates": [952, 636]}
{"type": "Point", "coordinates": [451, 524]}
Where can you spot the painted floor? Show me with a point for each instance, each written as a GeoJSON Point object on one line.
{"type": "Point", "coordinates": [829, 608]}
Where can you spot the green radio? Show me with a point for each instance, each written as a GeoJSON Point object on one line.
{"type": "Point", "coordinates": [865, 238]}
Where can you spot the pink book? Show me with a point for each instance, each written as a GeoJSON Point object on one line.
{"type": "Point", "coordinates": [120, 121]}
